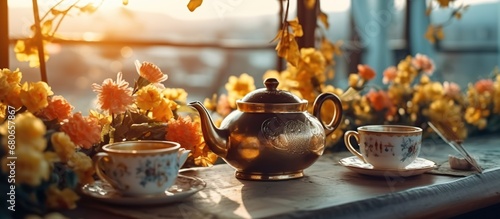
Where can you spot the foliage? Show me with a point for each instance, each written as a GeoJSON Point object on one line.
{"type": "Point", "coordinates": [435, 31]}
{"type": "Point", "coordinates": [410, 98]}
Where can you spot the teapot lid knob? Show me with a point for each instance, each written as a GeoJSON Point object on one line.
{"type": "Point", "coordinates": [271, 84]}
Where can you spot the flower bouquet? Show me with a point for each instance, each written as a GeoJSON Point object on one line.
{"type": "Point", "coordinates": [46, 149]}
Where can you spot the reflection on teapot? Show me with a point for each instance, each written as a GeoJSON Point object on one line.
{"type": "Point", "coordinates": [289, 135]}
{"type": "Point", "coordinates": [270, 136]}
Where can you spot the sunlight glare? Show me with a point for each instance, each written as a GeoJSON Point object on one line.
{"type": "Point", "coordinates": [335, 6]}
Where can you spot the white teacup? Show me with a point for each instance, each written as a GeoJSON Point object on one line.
{"type": "Point", "coordinates": [137, 168]}
{"type": "Point", "coordinates": [386, 146]}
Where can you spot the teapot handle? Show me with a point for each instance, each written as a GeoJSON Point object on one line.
{"type": "Point", "coordinates": [337, 111]}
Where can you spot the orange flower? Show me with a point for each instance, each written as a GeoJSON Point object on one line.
{"type": "Point", "coordinates": [150, 72]}
{"type": "Point", "coordinates": [389, 74]}
{"type": "Point", "coordinates": [185, 132]}
{"type": "Point", "coordinates": [379, 99]}
{"type": "Point", "coordinates": [484, 85]}
{"type": "Point", "coordinates": [83, 131]}
{"type": "Point", "coordinates": [114, 97]}
{"type": "Point", "coordinates": [366, 72]}
{"type": "Point", "coordinates": [424, 63]}
{"type": "Point", "coordinates": [58, 108]}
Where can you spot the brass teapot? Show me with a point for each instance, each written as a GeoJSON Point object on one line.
{"type": "Point", "coordinates": [270, 136]}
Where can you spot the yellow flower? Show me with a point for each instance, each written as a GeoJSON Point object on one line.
{"type": "Point", "coordinates": [427, 93]}
{"type": "Point", "coordinates": [10, 87]}
{"type": "Point", "coordinates": [332, 89]}
{"type": "Point", "coordinates": [238, 87]}
{"type": "Point", "coordinates": [175, 94]}
{"type": "Point", "coordinates": [479, 105]}
{"type": "Point", "coordinates": [12, 97]}
{"type": "Point", "coordinates": [83, 167]}
{"type": "Point", "coordinates": [10, 77]}
{"type": "Point", "coordinates": [30, 132]}
{"type": "Point", "coordinates": [406, 71]}
{"type": "Point", "coordinates": [475, 117]}
{"type": "Point", "coordinates": [63, 146]}
{"type": "Point", "coordinates": [34, 95]}
{"type": "Point", "coordinates": [496, 95]}
{"type": "Point", "coordinates": [353, 80]}
{"type": "Point", "coordinates": [163, 112]}
{"type": "Point", "coordinates": [443, 110]}
{"type": "Point", "coordinates": [31, 166]}
{"type": "Point", "coordinates": [27, 51]}
{"type": "Point", "coordinates": [3, 109]}
{"type": "Point", "coordinates": [61, 199]}
{"type": "Point", "coordinates": [148, 97]}
{"type": "Point", "coordinates": [313, 62]}
{"type": "Point", "coordinates": [211, 103]}
{"type": "Point", "coordinates": [286, 82]}
{"type": "Point", "coordinates": [103, 119]}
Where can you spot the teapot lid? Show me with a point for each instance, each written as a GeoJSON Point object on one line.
{"type": "Point", "coordinates": [271, 100]}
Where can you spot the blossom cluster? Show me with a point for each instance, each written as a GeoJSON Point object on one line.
{"type": "Point", "coordinates": [406, 95]}
{"type": "Point", "coordinates": [54, 145]}
{"type": "Point", "coordinates": [148, 110]}
{"type": "Point", "coordinates": [48, 142]}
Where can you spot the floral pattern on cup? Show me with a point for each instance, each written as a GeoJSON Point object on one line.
{"type": "Point", "coordinates": [153, 171]}
{"type": "Point", "coordinates": [141, 167]}
{"type": "Point", "coordinates": [121, 170]}
{"type": "Point", "coordinates": [409, 148]}
{"type": "Point", "coordinates": [386, 146]}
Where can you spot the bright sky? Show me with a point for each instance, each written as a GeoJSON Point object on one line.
{"type": "Point", "coordinates": [212, 8]}
{"type": "Point", "coordinates": [209, 8]}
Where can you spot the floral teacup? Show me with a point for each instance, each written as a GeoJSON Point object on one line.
{"type": "Point", "coordinates": [386, 146]}
{"type": "Point", "coordinates": [137, 168]}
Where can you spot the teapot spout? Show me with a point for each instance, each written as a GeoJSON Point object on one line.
{"type": "Point", "coordinates": [215, 138]}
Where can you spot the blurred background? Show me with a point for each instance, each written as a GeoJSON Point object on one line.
{"type": "Point", "coordinates": [199, 50]}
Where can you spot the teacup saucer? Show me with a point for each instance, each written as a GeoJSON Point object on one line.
{"type": "Point", "coordinates": [417, 167]}
{"type": "Point", "coordinates": [184, 187]}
